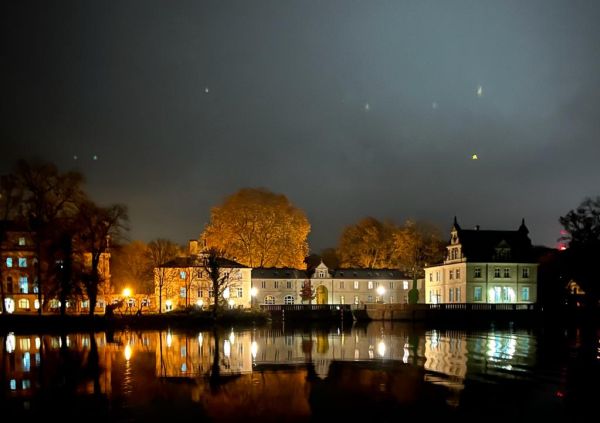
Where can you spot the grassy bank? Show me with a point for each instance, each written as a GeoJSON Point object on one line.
{"type": "Point", "coordinates": [183, 320]}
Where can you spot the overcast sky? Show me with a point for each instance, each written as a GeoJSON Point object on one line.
{"type": "Point", "coordinates": [350, 108]}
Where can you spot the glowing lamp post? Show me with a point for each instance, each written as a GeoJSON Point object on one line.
{"type": "Point", "coordinates": [127, 295]}
{"type": "Point", "coordinates": [380, 292]}
{"type": "Point", "coordinates": [253, 294]}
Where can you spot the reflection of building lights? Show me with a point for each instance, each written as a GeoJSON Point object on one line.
{"type": "Point", "coordinates": [254, 349]}
{"type": "Point", "coordinates": [38, 343]}
{"type": "Point", "coordinates": [169, 339]}
{"type": "Point", "coordinates": [380, 290]}
{"type": "Point", "coordinates": [200, 338]}
{"type": "Point", "coordinates": [10, 343]}
{"type": "Point", "coordinates": [36, 304]}
{"type": "Point", "coordinates": [381, 348]}
{"type": "Point", "coordinates": [128, 352]}
{"type": "Point", "coordinates": [253, 291]}
{"type": "Point", "coordinates": [231, 337]}
{"type": "Point", "coordinates": [226, 348]}
{"type": "Point", "coordinates": [226, 293]}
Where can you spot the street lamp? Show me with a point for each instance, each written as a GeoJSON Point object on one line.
{"type": "Point", "coordinates": [253, 294]}
{"type": "Point", "coordinates": [127, 295]}
{"type": "Point", "coordinates": [381, 292]}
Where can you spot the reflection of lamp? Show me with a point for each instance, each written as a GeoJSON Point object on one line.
{"type": "Point", "coordinates": [381, 349]}
{"type": "Point", "coordinates": [128, 352]}
{"type": "Point", "coordinates": [254, 349]}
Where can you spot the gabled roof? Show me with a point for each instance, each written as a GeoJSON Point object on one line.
{"type": "Point", "coordinates": [482, 245]}
{"type": "Point", "coordinates": [278, 273]}
{"type": "Point", "coordinates": [195, 261]}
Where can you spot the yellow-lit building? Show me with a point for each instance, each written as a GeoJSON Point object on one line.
{"type": "Point", "coordinates": [484, 266]}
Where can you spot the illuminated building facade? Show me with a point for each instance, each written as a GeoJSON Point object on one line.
{"type": "Point", "coordinates": [332, 286]}
{"type": "Point", "coordinates": [484, 266]}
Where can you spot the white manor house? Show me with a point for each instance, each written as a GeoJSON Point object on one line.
{"type": "Point", "coordinates": [484, 266]}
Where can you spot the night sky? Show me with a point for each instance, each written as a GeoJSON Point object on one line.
{"type": "Point", "coordinates": [350, 108]}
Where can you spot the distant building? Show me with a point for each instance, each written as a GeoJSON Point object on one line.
{"type": "Point", "coordinates": [484, 266]}
{"type": "Point", "coordinates": [332, 286]}
{"type": "Point", "coordinates": [183, 282]}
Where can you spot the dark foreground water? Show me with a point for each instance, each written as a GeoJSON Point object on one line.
{"type": "Point", "coordinates": [379, 372]}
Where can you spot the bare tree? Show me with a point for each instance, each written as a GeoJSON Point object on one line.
{"type": "Point", "coordinates": [96, 226]}
{"type": "Point", "coordinates": [48, 195]}
{"type": "Point", "coordinates": [161, 251]}
{"type": "Point", "coordinates": [221, 274]}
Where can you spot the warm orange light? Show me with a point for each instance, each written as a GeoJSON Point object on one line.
{"type": "Point", "coordinates": [127, 292]}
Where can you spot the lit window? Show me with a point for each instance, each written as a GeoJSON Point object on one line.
{"type": "Point", "coordinates": [288, 299]}
{"type": "Point", "coordinates": [22, 262]}
{"type": "Point", "coordinates": [404, 285]}
{"type": "Point", "coordinates": [477, 291]}
{"type": "Point", "coordinates": [526, 273]}
{"type": "Point", "coordinates": [146, 302]}
{"type": "Point", "coordinates": [506, 272]}
{"type": "Point", "coordinates": [23, 303]}
{"type": "Point", "coordinates": [525, 293]}
{"type": "Point", "coordinates": [269, 299]}
{"type": "Point", "coordinates": [477, 272]}
{"type": "Point", "coordinates": [182, 275]}
{"type": "Point", "coordinates": [21, 241]}
{"type": "Point", "coordinates": [355, 284]}
{"type": "Point", "coordinates": [26, 384]}
{"type": "Point", "coordinates": [182, 292]}
{"type": "Point", "coordinates": [85, 304]}
{"type": "Point", "coordinates": [457, 273]}
{"type": "Point", "coordinates": [356, 301]}
{"type": "Point", "coordinates": [8, 261]}
{"type": "Point", "coordinates": [342, 299]}
{"type": "Point", "coordinates": [23, 285]}
{"type": "Point", "coordinates": [370, 285]}
{"type": "Point", "coordinates": [496, 272]}
{"type": "Point", "coordinates": [13, 384]}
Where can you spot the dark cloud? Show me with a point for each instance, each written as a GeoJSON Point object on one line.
{"type": "Point", "coordinates": [288, 83]}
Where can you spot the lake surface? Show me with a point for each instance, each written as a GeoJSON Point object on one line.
{"type": "Point", "coordinates": [377, 372]}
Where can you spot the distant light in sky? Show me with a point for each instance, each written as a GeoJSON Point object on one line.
{"type": "Point", "coordinates": [94, 157]}
{"type": "Point", "coordinates": [75, 157]}
{"type": "Point", "coordinates": [206, 90]}
{"type": "Point", "coordinates": [434, 105]}
{"type": "Point", "coordinates": [367, 107]}
{"type": "Point", "coordinates": [474, 157]}
{"type": "Point", "coordinates": [479, 91]}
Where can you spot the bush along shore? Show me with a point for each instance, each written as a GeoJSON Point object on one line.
{"type": "Point", "coordinates": [182, 319]}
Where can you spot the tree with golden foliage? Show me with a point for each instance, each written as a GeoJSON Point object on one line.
{"type": "Point", "coordinates": [418, 244]}
{"type": "Point", "coordinates": [259, 228]}
{"type": "Point", "coordinates": [368, 244]}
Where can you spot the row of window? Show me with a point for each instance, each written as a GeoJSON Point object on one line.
{"type": "Point", "coordinates": [239, 292]}
{"type": "Point", "coordinates": [23, 285]}
{"type": "Point", "coordinates": [289, 299]}
{"type": "Point", "coordinates": [496, 294]}
{"type": "Point", "coordinates": [341, 284]}
{"type": "Point", "coordinates": [21, 261]}
{"type": "Point", "coordinates": [499, 273]}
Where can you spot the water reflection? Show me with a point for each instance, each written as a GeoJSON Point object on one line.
{"type": "Point", "coordinates": [272, 373]}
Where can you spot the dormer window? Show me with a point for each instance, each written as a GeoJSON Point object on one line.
{"type": "Point", "coordinates": [503, 253]}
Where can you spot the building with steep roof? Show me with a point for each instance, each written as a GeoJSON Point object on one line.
{"type": "Point", "coordinates": [484, 266]}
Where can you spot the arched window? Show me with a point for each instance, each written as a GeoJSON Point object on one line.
{"type": "Point", "coordinates": [269, 299]}
{"type": "Point", "coordinates": [23, 303]}
{"type": "Point", "coordinates": [288, 299]}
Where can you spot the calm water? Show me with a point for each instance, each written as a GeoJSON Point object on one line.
{"type": "Point", "coordinates": [379, 372]}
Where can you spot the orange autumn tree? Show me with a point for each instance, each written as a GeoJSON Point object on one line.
{"type": "Point", "coordinates": [259, 228]}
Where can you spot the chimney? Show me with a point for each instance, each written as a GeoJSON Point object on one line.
{"type": "Point", "coordinates": [193, 247]}
{"type": "Point", "coordinates": [476, 227]}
